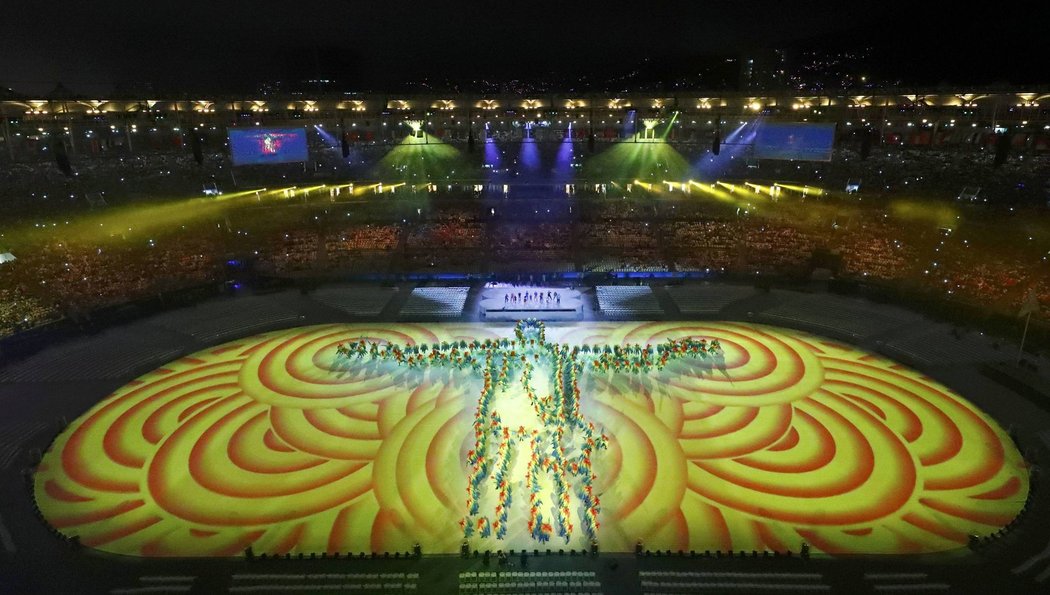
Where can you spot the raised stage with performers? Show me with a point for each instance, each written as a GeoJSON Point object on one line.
{"type": "Point", "coordinates": [505, 301]}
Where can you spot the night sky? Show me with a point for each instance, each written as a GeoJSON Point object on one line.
{"type": "Point", "coordinates": [193, 45]}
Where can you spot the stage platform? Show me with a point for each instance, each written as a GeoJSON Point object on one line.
{"type": "Point", "coordinates": [496, 306]}
{"type": "Point", "coordinates": [435, 433]}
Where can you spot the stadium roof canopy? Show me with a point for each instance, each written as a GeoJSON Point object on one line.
{"type": "Point", "coordinates": [6, 257]}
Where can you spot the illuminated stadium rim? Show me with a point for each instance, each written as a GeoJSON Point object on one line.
{"type": "Point", "coordinates": [270, 441]}
{"type": "Point", "coordinates": [554, 184]}
{"type": "Point", "coordinates": [698, 102]}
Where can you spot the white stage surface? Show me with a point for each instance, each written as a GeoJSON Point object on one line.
{"type": "Point", "coordinates": [495, 306]}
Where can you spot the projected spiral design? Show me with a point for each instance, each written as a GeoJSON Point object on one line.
{"type": "Point", "coordinates": [274, 442]}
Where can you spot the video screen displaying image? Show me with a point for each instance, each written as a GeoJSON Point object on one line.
{"type": "Point", "coordinates": [795, 141]}
{"type": "Point", "coordinates": [262, 146]}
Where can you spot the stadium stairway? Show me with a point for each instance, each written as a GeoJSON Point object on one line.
{"type": "Point", "coordinates": [538, 582]}
{"type": "Point", "coordinates": [850, 318]}
{"type": "Point", "coordinates": [216, 320]}
{"type": "Point", "coordinates": [436, 302]}
{"type": "Point", "coordinates": [13, 436]}
{"type": "Point", "coordinates": [620, 301]}
{"type": "Point", "coordinates": [667, 303]}
{"type": "Point", "coordinates": [473, 301]}
{"type": "Point", "coordinates": [356, 300]}
{"type": "Point", "coordinates": [115, 353]}
{"type": "Point", "coordinates": [660, 582]}
{"type": "Point", "coordinates": [935, 344]}
{"type": "Point", "coordinates": [357, 582]}
{"type": "Point", "coordinates": [708, 298]}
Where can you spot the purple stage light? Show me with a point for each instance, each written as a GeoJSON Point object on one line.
{"type": "Point", "coordinates": [328, 139]}
{"type": "Point", "coordinates": [629, 124]}
{"type": "Point", "coordinates": [529, 155]}
{"type": "Point", "coordinates": [563, 160]}
{"type": "Point", "coordinates": [736, 146]}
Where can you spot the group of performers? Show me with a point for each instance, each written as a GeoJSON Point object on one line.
{"type": "Point", "coordinates": [554, 474]}
{"type": "Point", "coordinates": [532, 298]}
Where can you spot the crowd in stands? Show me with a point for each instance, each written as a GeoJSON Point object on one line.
{"type": "Point", "coordinates": [343, 247]}
{"type": "Point", "coordinates": [622, 234]}
{"type": "Point", "coordinates": [66, 277]}
{"type": "Point", "coordinates": [537, 237]}
{"type": "Point", "coordinates": [296, 251]}
{"type": "Point", "coordinates": [72, 278]}
{"type": "Point", "coordinates": [19, 311]}
{"type": "Point", "coordinates": [700, 234]}
{"type": "Point", "coordinates": [459, 233]}
{"type": "Point", "coordinates": [943, 174]}
{"type": "Point", "coordinates": [777, 247]}
{"type": "Point", "coordinates": [989, 261]}
{"type": "Point", "coordinates": [871, 249]}
{"type": "Point", "coordinates": [641, 262]}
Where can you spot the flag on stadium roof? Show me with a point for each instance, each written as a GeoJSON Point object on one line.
{"type": "Point", "coordinates": [1030, 305]}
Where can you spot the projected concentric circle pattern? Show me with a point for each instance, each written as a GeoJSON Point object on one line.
{"type": "Point", "coordinates": [276, 442]}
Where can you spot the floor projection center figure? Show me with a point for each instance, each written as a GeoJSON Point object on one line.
{"type": "Point", "coordinates": [546, 449]}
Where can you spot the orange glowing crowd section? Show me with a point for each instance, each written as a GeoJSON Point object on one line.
{"type": "Point", "coordinates": [280, 443]}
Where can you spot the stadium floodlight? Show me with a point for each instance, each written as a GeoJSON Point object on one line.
{"type": "Point", "coordinates": [759, 189]}
{"type": "Point", "coordinates": [969, 194]}
{"type": "Point", "coordinates": [419, 159]}
{"type": "Point", "coordinates": [804, 190]}
{"type": "Point", "coordinates": [713, 191]}
{"type": "Point", "coordinates": [650, 128]}
{"type": "Point", "coordinates": [652, 159]}
{"type": "Point", "coordinates": [212, 189]}
{"type": "Point", "coordinates": [417, 128]}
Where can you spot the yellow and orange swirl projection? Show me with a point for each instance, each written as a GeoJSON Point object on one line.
{"type": "Point", "coordinates": [275, 442]}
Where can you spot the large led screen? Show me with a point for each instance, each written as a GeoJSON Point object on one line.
{"type": "Point", "coordinates": [263, 146]}
{"type": "Point", "coordinates": [794, 141]}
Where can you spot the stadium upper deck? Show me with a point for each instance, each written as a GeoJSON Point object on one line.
{"type": "Point", "coordinates": [1014, 105]}
{"type": "Point", "coordinates": [904, 116]}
